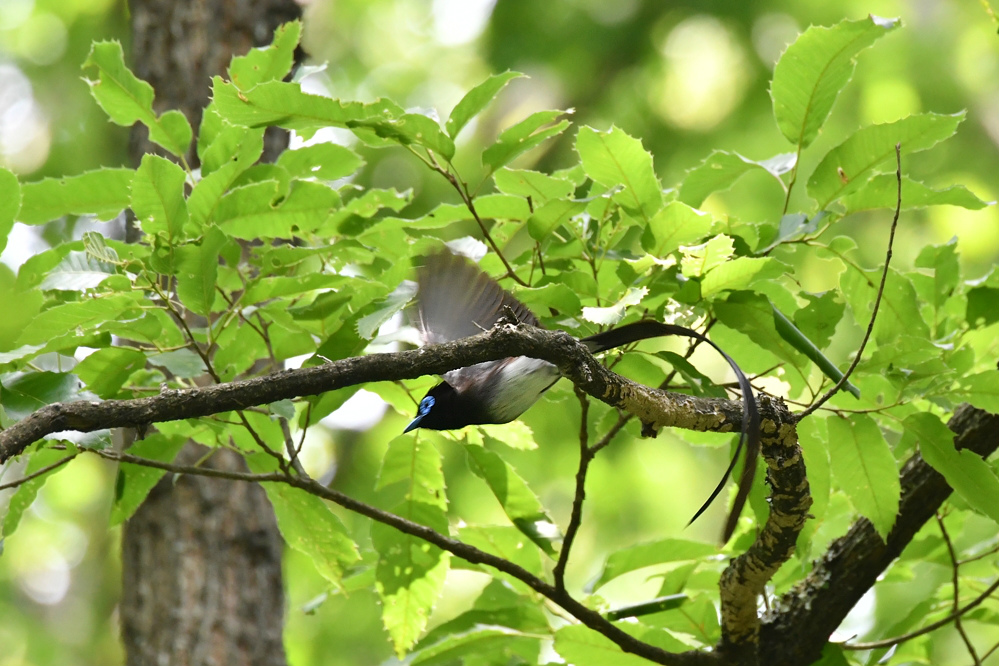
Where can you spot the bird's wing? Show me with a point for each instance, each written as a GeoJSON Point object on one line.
{"type": "Point", "coordinates": [457, 300]}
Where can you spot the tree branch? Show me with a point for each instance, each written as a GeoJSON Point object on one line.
{"type": "Point", "coordinates": [589, 617]}
{"type": "Point", "coordinates": [800, 623]}
{"type": "Point", "coordinates": [656, 409]}
{"type": "Point", "coordinates": [743, 581]}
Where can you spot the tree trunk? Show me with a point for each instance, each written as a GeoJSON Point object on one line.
{"type": "Point", "coordinates": [201, 559]}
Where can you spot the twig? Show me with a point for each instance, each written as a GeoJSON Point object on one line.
{"type": "Point", "coordinates": [34, 475]}
{"type": "Point", "coordinates": [466, 198]}
{"type": "Point", "coordinates": [576, 517]}
{"type": "Point", "coordinates": [794, 179]}
{"type": "Point", "coordinates": [877, 301]}
{"type": "Point", "coordinates": [956, 584]}
{"type": "Point", "coordinates": [660, 409]}
{"type": "Point", "coordinates": [889, 642]}
{"type": "Point", "coordinates": [589, 617]}
{"type": "Point", "coordinates": [289, 444]}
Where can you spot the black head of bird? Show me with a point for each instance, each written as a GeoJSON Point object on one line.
{"type": "Point", "coordinates": [457, 300]}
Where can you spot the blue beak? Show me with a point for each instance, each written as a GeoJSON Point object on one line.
{"type": "Point", "coordinates": [414, 424]}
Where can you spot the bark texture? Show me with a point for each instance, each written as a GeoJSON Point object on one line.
{"type": "Point", "coordinates": [201, 559]}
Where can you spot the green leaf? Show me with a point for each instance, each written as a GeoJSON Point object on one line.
{"type": "Point", "coordinates": [134, 482]}
{"type": "Point", "coordinates": [649, 554]}
{"type": "Point", "coordinates": [981, 390]}
{"type": "Point", "coordinates": [356, 216]}
{"type": "Point", "coordinates": [181, 363]}
{"type": "Point", "coordinates": [697, 382]}
{"type": "Point", "coordinates": [612, 314]}
{"type": "Point", "coordinates": [10, 204]}
{"type": "Point", "coordinates": [269, 63]}
{"type": "Point", "coordinates": [518, 139]}
{"type": "Point", "coordinates": [103, 193]}
{"type": "Point", "coordinates": [851, 164]}
{"type": "Point", "coordinates": [699, 259]}
{"type": "Point", "coordinates": [78, 271]}
{"type": "Point", "coordinates": [325, 161]}
{"type": "Point", "coordinates": [613, 158]}
{"type": "Point", "coordinates": [508, 543]}
{"type": "Point", "coordinates": [410, 573]}
{"type": "Point", "coordinates": [368, 325]}
{"type": "Point", "coordinates": [414, 461]}
{"type": "Point", "coordinates": [753, 315]}
{"type": "Point", "coordinates": [220, 142]}
{"type": "Point", "coordinates": [943, 260]}
{"type": "Point", "coordinates": [581, 646]}
{"type": "Point", "coordinates": [819, 318]}
{"type": "Point", "coordinates": [106, 370]}
{"type": "Point", "coordinates": [25, 392]}
{"type": "Point", "coordinates": [477, 99]}
{"type": "Point", "coordinates": [800, 341]}
{"type": "Point", "coordinates": [307, 524]}
{"type": "Point", "coordinates": [128, 100]}
{"type": "Point", "coordinates": [863, 464]}
{"type": "Point", "coordinates": [502, 207]}
{"type": "Point", "coordinates": [971, 477]}
{"type": "Point", "coordinates": [794, 225]}
{"type": "Point", "coordinates": [197, 271]}
{"type": "Point", "coordinates": [409, 129]}
{"type": "Point", "coordinates": [207, 193]}
{"type": "Point", "coordinates": [812, 435]}
{"type": "Point", "coordinates": [675, 225]}
{"type": "Point", "coordinates": [23, 352]}
{"type": "Point", "coordinates": [27, 491]}
{"type": "Point", "coordinates": [516, 434]}
{"type": "Point", "coordinates": [97, 248]}
{"type": "Point", "coordinates": [812, 71]}
{"type": "Point", "coordinates": [554, 296]}
{"type": "Point", "coordinates": [740, 273]}
{"type": "Point", "coordinates": [882, 192]}
{"type": "Point", "coordinates": [158, 197]}
{"type": "Point", "coordinates": [286, 105]}
{"type": "Point", "coordinates": [898, 314]}
{"type": "Point", "coordinates": [252, 212]}
{"type": "Point", "coordinates": [551, 216]}
{"type": "Point", "coordinates": [502, 645]}
{"type": "Point", "coordinates": [539, 187]}
{"type": "Point", "coordinates": [85, 315]}
{"type": "Point", "coordinates": [519, 503]}
{"type": "Point", "coordinates": [721, 169]}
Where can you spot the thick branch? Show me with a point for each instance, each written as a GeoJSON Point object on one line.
{"type": "Point", "coordinates": [743, 581]}
{"type": "Point", "coordinates": [656, 409]}
{"type": "Point", "coordinates": [797, 628]}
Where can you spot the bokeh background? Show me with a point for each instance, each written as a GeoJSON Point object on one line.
{"type": "Point", "coordinates": [686, 77]}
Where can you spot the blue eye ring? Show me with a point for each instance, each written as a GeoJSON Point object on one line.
{"type": "Point", "coordinates": [426, 404]}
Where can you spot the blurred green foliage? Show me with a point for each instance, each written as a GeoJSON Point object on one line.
{"type": "Point", "coordinates": [686, 78]}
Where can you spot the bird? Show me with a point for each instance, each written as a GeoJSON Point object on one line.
{"type": "Point", "coordinates": [455, 299]}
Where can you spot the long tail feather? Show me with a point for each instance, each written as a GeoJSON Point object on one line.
{"type": "Point", "coordinates": [750, 436]}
